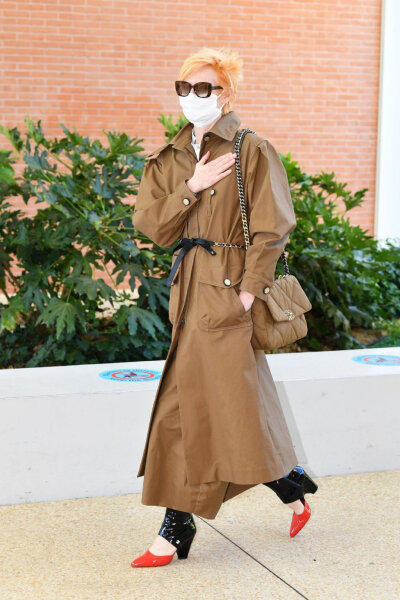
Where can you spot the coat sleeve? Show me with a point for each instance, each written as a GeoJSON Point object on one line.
{"type": "Point", "coordinates": [270, 216]}
{"type": "Point", "coordinates": [158, 214]}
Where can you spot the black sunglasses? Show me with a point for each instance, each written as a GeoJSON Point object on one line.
{"type": "Point", "coordinates": [201, 88]}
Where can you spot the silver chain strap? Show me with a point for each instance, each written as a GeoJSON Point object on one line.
{"type": "Point", "coordinates": [229, 245]}
{"type": "Point", "coordinates": [238, 144]}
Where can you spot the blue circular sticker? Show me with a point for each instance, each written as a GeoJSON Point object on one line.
{"type": "Point", "coordinates": [382, 360]}
{"type": "Point", "coordinates": [130, 375]}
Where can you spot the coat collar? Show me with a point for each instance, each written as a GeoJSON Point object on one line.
{"type": "Point", "coordinates": [226, 128]}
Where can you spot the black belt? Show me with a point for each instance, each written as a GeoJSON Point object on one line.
{"type": "Point", "coordinates": [187, 243]}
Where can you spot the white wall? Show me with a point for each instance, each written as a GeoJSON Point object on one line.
{"type": "Point", "coordinates": [387, 207]}
{"type": "Point", "coordinates": [67, 433]}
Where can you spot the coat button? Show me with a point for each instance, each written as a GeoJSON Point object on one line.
{"type": "Point", "coordinates": [206, 137]}
{"type": "Point", "coordinates": [212, 192]}
{"type": "Point", "coordinates": [227, 281]}
{"type": "Point", "coordinates": [186, 201]}
{"type": "Point", "coordinates": [266, 290]}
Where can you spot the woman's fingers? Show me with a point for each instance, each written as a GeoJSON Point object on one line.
{"type": "Point", "coordinates": [204, 158]}
{"type": "Point", "coordinates": [221, 160]}
{"type": "Point", "coordinates": [222, 175]}
{"type": "Point", "coordinates": [223, 166]}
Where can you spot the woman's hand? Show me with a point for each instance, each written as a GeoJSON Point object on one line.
{"type": "Point", "coordinates": [205, 175]}
{"type": "Point", "coordinates": [247, 299]}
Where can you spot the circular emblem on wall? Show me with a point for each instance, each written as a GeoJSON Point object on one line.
{"type": "Point", "coordinates": [130, 375]}
{"type": "Point", "coordinates": [382, 360]}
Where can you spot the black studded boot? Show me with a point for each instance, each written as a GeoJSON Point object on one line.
{"type": "Point", "coordinates": [179, 529]}
{"type": "Point", "coordinates": [293, 486]}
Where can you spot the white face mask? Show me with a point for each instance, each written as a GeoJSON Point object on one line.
{"type": "Point", "coordinates": [200, 111]}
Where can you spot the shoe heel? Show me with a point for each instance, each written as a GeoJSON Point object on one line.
{"type": "Point", "coordinates": [309, 486]}
{"type": "Point", "coordinates": [183, 550]}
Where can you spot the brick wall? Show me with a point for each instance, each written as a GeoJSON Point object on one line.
{"type": "Point", "coordinates": [310, 84]}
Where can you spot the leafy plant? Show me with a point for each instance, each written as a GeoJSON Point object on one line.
{"type": "Point", "coordinates": [351, 281]}
{"type": "Point", "coordinates": [171, 127]}
{"type": "Point", "coordinates": [61, 309]}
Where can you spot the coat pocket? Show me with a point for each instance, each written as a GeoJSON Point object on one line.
{"type": "Point", "coordinates": [218, 303]}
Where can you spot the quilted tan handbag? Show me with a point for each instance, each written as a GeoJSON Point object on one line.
{"type": "Point", "coordinates": [279, 319]}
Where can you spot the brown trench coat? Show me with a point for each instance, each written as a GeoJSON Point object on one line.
{"type": "Point", "coordinates": [230, 433]}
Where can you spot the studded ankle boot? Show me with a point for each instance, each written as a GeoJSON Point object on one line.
{"type": "Point", "coordinates": [293, 486]}
{"type": "Point", "coordinates": [179, 529]}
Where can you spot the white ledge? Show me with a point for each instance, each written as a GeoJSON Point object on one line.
{"type": "Point", "coordinates": [69, 433]}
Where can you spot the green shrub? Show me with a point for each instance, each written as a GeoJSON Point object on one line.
{"type": "Point", "coordinates": [60, 312]}
{"type": "Point", "coordinates": [350, 279]}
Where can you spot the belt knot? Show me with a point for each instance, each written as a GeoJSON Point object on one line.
{"type": "Point", "coordinates": [186, 244]}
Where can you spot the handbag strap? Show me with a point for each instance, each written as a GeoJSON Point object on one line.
{"type": "Point", "coordinates": [238, 144]}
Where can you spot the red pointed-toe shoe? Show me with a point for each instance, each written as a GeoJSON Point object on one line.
{"type": "Point", "coordinates": [298, 521]}
{"type": "Point", "coordinates": [179, 529]}
{"type": "Point", "coordinates": [148, 559]}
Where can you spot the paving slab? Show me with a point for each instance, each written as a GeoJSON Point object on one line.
{"type": "Point", "coordinates": [349, 548]}
{"type": "Point", "coordinates": [81, 549]}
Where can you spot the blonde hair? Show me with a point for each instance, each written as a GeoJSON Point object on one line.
{"type": "Point", "coordinates": [226, 63]}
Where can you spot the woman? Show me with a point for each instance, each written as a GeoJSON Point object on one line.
{"type": "Point", "coordinates": [216, 427]}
